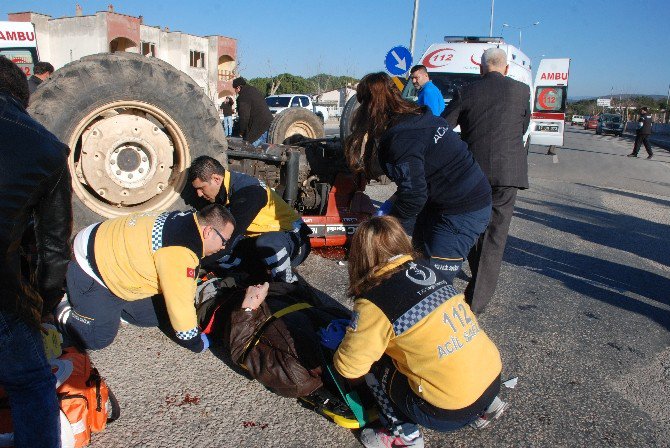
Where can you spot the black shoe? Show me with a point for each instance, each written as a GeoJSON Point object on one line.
{"type": "Point", "coordinates": [631, 155]}
{"type": "Point", "coordinates": [650, 156]}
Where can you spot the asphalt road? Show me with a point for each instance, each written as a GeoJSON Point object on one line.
{"type": "Point", "coordinates": [581, 317]}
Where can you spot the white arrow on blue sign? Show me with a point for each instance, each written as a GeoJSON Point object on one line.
{"type": "Point", "coordinates": [398, 60]}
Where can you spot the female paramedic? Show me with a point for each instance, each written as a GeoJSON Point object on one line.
{"type": "Point", "coordinates": [416, 342]}
{"type": "Point", "coordinates": [443, 199]}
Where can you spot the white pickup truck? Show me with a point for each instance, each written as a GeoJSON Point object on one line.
{"type": "Point", "coordinates": [278, 103]}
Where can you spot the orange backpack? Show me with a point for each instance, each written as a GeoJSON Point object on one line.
{"type": "Point", "coordinates": [83, 398]}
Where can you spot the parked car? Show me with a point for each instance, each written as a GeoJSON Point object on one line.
{"type": "Point", "coordinates": [277, 103]}
{"type": "Point", "coordinates": [591, 122]}
{"type": "Point", "coordinates": [577, 119]}
{"type": "Point", "coordinates": [610, 123]}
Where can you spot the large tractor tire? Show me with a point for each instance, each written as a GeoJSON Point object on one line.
{"type": "Point", "coordinates": [295, 121]}
{"type": "Point", "coordinates": [347, 117]}
{"type": "Point", "coordinates": [133, 125]}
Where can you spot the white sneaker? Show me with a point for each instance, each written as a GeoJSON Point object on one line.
{"type": "Point", "coordinates": [382, 438]}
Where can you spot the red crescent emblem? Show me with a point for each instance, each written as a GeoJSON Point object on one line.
{"type": "Point", "coordinates": [542, 99]}
{"type": "Point", "coordinates": [472, 59]}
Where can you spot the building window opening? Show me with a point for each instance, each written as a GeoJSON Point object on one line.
{"type": "Point", "coordinates": [197, 59]}
{"type": "Point", "coordinates": [149, 49]}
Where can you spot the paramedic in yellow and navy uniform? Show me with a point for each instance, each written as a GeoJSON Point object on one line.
{"type": "Point", "coordinates": [140, 267]}
{"type": "Point", "coordinates": [269, 234]}
{"type": "Point", "coordinates": [415, 340]}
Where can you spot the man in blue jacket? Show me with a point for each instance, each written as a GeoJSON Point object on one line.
{"type": "Point", "coordinates": [429, 94]}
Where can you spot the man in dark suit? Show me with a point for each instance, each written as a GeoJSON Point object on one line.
{"type": "Point", "coordinates": [494, 114]}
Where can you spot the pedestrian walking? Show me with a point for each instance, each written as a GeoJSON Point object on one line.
{"type": "Point", "coordinates": [34, 186]}
{"type": "Point", "coordinates": [227, 111]}
{"type": "Point", "coordinates": [253, 113]}
{"type": "Point", "coordinates": [443, 200]}
{"type": "Point", "coordinates": [493, 113]}
{"type": "Point", "coordinates": [415, 341]}
{"type": "Point", "coordinates": [429, 94]}
{"type": "Point", "coordinates": [642, 133]}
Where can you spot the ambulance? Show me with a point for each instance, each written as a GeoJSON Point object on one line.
{"type": "Point", "coordinates": [455, 63]}
{"type": "Point", "coordinates": [19, 44]}
{"type": "Point", "coordinates": [547, 123]}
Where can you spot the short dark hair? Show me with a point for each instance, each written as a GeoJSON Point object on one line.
{"type": "Point", "coordinates": [203, 167]}
{"type": "Point", "coordinates": [43, 67]}
{"type": "Point", "coordinates": [13, 81]}
{"type": "Point", "coordinates": [239, 82]}
{"type": "Point", "coordinates": [215, 215]}
{"type": "Point", "coordinates": [644, 109]}
{"type": "Point", "coordinates": [418, 67]}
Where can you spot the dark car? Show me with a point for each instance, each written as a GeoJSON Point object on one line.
{"type": "Point", "coordinates": [591, 122]}
{"type": "Point", "coordinates": [610, 123]}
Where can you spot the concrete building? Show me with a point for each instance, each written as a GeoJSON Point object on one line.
{"type": "Point", "coordinates": [209, 60]}
{"type": "Point", "coordinates": [335, 100]}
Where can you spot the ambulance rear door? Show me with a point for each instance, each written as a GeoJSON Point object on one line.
{"type": "Point", "coordinates": [19, 45]}
{"type": "Point", "coordinates": [550, 100]}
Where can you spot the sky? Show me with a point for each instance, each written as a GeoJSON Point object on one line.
{"type": "Point", "coordinates": [615, 46]}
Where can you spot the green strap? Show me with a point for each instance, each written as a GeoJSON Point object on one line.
{"type": "Point", "coordinates": [352, 399]}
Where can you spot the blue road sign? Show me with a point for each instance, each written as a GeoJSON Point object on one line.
{"type": "Point", "coordinates": [398, 60]}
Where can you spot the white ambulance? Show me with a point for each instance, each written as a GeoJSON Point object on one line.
{"type": "Point", "coordinates": [19, 44]}
{"type": "Point", "coordinates": [455, 63]}
{"type": "Point", "coordinates": [551, 94]}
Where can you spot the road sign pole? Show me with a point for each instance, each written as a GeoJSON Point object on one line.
{"type": "Point", "coordinates": [415, 17]}
{"type": "Point", "coordinates": [491, 23]}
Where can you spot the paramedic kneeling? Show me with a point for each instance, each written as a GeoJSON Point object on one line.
{"type": "Point", "coordinates": [121, 264]}
{"type": "Point", "coordinates": [269, 234]}
{"type": "Point", "coordinates": [413, 337]}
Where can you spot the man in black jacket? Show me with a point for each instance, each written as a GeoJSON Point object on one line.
{"type": "Point", "coordinates": [642, 134]}
{"type": "Point", "coordinates": [494, 114]}
{"type": "Point", "coordinates": [253, 113]}
{"type": "Point", "coordinates": [42, 71]}
{"type": "Point", "coordinates": [34, 184]}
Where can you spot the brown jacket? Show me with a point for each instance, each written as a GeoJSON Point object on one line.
{"type": "Point", "coordinates": [287, 357]}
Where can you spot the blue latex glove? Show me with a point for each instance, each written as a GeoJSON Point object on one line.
{"type": "Point", "coordinates": [385, 208]}
{"type": "Point", "coordinates": [332, 335]}
{"type": "Point", "coordinates": [205, 342]}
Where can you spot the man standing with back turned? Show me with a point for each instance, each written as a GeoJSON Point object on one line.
{"type": "Point", "coordinates": [34, 184]}
{"type": "Point", "coordinates": [642, 134]}
{"type": "Point", "coordinates": [494, 114]}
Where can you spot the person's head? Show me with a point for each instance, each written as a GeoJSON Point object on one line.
{"type": "Point", "coordinates": [43, 70]}
{"type": "Point", "coordinates": [376, 241]}
{"type": "Point", "coordinates": [229, 100]}
{"type": "Point", "coordinates": [238, 83]}
{"type": "Point", "coordinates": [494, 60]}
{"type": "Point", "coordinates": [644, 110]}
{"type": "Point", "coordinates": [13, 81]}
{"type": "Point", "coordinates": [217, 225]}
{"type": "Point", "coordinates": [419, 76]}
{"type": "Point", "coordinates": [381, 103]}
{"type": "Point", "coordinates": [206, 176]}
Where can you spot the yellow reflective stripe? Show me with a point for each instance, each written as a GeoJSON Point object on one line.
{"type": "Point", "coordinates": [398, 82]}
{"type": "Point", "coordinates": [448, 259]}
{"type": "Point", "coordinates": [226, 183]}
{"type": "Point", "coordinates": [291, 309]}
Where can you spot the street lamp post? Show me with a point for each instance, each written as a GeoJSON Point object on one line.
{"type": "Point", "coordinates": [520, 28]}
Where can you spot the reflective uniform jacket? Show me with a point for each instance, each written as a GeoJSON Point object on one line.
{"type": "Point", "coordinates": [144, 254]}
{"type": "Point", "coordinates": [256, 207]}
{"type": "Point", "coordinates": [425, 326]}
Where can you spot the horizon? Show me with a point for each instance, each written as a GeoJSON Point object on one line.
{"type": "Point", "coordinates": [325, 37]}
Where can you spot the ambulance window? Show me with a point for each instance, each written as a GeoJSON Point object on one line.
{"type": "Point", "coordinates": [550, 99]}
{"type": "Point", "coordinates": [22, 58]}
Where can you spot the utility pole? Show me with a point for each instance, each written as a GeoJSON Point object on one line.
{"type": "Point", "coordinates": [667, 99]}
{"type": "Point", "coordinates": [414, 20]}
{"type": "Point", "coordinates": [491, 25]}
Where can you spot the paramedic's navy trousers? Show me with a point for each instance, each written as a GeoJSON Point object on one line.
{"type": "Point", "coordinates": [26, 377]}
{"type": "Point", "coordinates": [97, 312]}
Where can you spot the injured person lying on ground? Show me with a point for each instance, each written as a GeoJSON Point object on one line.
{"type": "Point", "coordinates": [284, 337]}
